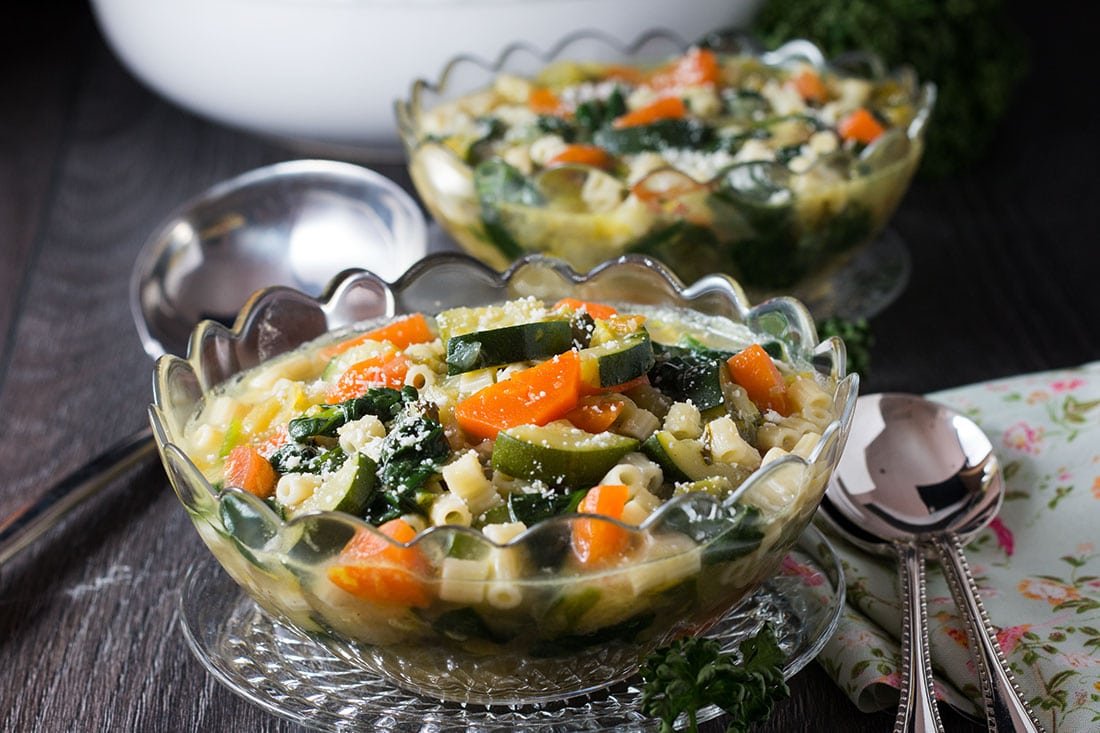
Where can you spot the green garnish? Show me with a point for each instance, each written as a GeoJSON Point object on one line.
{"type": "Point", "coordinates": [690, 674]}
{"type": "Point", "coordinates": [857, 338]}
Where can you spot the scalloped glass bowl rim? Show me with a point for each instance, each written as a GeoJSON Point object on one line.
{"type": "Point", "coordinates": [798, 50]}
{"type": "Point", "coordinates": [168, 369]}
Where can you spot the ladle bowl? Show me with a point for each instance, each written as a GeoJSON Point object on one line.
{"type": "Point", "coordinates": [297, 223]}
{"type": "Point", "coordinates": [916, 474]}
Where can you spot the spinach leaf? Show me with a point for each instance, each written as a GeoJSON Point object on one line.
{"type": "Point", "coordinates": [659, 135]}
{"type": "Point", "coordinates": [385, 403]}
{"type": "Point", "coordinates": [498, 184]}
{"type": "Point", "coordinates": [684, 374]}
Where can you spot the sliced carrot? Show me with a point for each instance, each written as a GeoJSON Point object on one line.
{"type": "Point", "coordinates": [595, 413]}
{"type": "Point", "coordinates": [245, 468]}
{"type": "Point", "coordinates": [386, 369]}
{"type": "Point", "coordinates": [276, 440]}
{"type": "Point", "coordinates": [375, 569]}
{"type": "Point", "coordinates": [809, 85]}
{"type": "Point", "coordinates": [592, 155]}
{"type": "Point", "coordinates": [595, 541]}
{"type": "Point", "coordinates": [697, 67]}
{"type": "Point", "coordinates": [402, 333]}
{"type": "Point", "coordinates": [596, 310]}
{"type": "Point", "coordinates": [543, 101]}
{"type": "Point", "coordinates": [753, 369]}
{"type": "Point", "coordinates": [624, 73]}
{"type": "Point", "coordinates": [665, 108]}
{"type": "Point", "coordinates": [666, 187]}
{"type": "Point", "coordinates": [534, 396]}
{"type": "Point", "coordinates": [860, 126]}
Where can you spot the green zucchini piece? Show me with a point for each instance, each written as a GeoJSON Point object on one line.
{"type": "Point", "coordinates": [686, 460]}
{"type": "Point", "coordinates": [470, 319]}
{"type": "Point", "coordinates": [559, 454]}
{"type": "Point", "coordinates": [522, 342]}
{"type": "Point", "coordinates": [660, 447]}
{"type": "Point", "coordinates": [618, 361]}
{"type": "Point", "coordinates": [246, 524]}
{"type": "Point", "coordinates": [348, 490]}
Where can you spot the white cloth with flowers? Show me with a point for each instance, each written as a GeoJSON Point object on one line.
{"type": "Point", "coordinates": [1037, 565]}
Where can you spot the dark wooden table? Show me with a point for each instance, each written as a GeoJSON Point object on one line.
{"type": "Point", "coordinates": [1004, 280]}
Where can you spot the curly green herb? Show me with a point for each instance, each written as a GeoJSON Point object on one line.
{"type": "Point", "coordinates": [692, 673]}
{"type": "Point", "coordinates": [857, 338]}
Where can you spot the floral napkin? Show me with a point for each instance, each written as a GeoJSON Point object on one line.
{"type": "Point", "coordinates": [1037, 565]}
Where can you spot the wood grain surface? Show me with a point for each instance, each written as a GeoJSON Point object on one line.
{"type": "Point", "coordinates": [1005, 279]}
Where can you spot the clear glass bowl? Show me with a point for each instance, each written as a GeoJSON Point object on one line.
{"type": "Point", "coordinates": [540, 647]}
{"type": "Point", "coordinates": [771, 228]}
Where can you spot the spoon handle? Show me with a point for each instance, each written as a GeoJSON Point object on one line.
{"type": "Point", "coordinates": [33, 519]}
{"type": "Point", "coordinates": [1006, 711]}
{"type": "Point", "coordinates": [917, 711]}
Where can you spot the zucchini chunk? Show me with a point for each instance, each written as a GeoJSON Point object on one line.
{"type": "Point", "coordinates": [347, 490]}
{"type": "Point", "coordinates": [522, 342]}
{"type": "Point", "coordinates": [618, 361]}
{"type": "Point", "coordinates": [559, 453]}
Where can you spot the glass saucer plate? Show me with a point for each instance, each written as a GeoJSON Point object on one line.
{"type": "Point", "coordinates": [294, 677]}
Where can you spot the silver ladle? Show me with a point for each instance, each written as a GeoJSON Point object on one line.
{"type": "Point", "coordinates": [298, 223]}
{"type": "Point", "coordinates": [916, 474]}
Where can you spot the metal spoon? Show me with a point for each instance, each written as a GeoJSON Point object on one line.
{"type": "Point", "coordinates": [297, 223]}
{"type": "Point", "coordinates": [915, 473]}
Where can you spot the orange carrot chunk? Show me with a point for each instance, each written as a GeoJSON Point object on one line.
{"type": "Point", "coordinates": [402, 333]}
{"type": "Point", "coordinates": [657, 189]}
{"type": "Point", "coordinates": [245, 468]}
{"type": "Point", "coordinates": [753, 369]}
{"type": "Point", "coordinates": [595, 414]}
{"type": "Point", "coordinates": [698, 66]}
{"type": "Point", "coordinates": [809, 85]}
{"type": "Point", "coordinates": [543, 101]}
{"type": "Point", "coordinates": [624, 73]}
{"type": "Point", "coordinates": [275, 441]}
{"type": "Point", "coordinates": [860, 126]}
{"type": "Point", "coordinates": [596, 310]}
{"type": "Point", "coordinates": [387, 369]}
{"type": "Point", "coordinates": [592, 155]}
{"type": "Point", "coordinates": [376, 570]}
{"type": "Point", "coordinates": [665, 108]}
{"type": "Point", "coordinates": [594, 541]}
{"type": "Point", "coordinates": [534, 396]}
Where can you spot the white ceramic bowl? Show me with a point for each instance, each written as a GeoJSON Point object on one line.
{"type": "Point", "coordinates": [327, 72]}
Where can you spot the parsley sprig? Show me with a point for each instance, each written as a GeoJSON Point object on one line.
{"type": "Point", "coordinates": [858, 340]}
{"type": "Point", "coordinates": [692, 673]}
